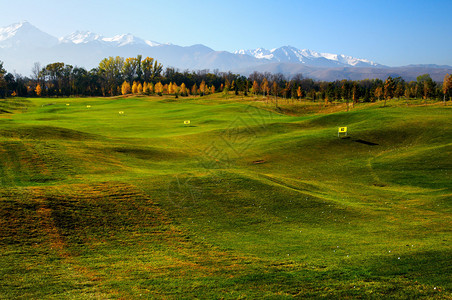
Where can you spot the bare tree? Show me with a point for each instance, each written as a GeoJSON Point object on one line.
{"type": "Point", "coordinates": [35, 71]}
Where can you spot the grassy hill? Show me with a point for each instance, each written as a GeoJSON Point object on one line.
{"type": "Point", "coordinates": [247, 201]}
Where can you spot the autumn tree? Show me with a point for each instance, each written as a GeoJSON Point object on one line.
{"type": "Point", "coordinates": [158, 88]}
{"type": "Point", "coordinates": [149, 89]}
{"type": "Point", "coordinates": [175, 90]}
{"type": "Point", "coordinates": [399, 90]}
{"type": "Point", "coordinates": [125, 88]}
{"type": "Point", "coordinates": [183, 89]}
{"type": "Point", "coordinates": [299, 92]}
{"type": "Point", "coordinates": [407, 92]}
{"type": "Point", "coordinates": [202, 88]}
{"type": "Point", "coordinates": [139, 88]}
{"type": "Point", "coordinates": [264, 87]}
{"type": "Point", "coordinates": [378, 92]}
{"type": "Point", "coordinates": [194, 89]}
{"type": "Point", "coordinates": [38, 90]}
{"type": "Point", "coordinates": [212, 89]}
{"type": "Point", "coordinates": [255, 88]}
{"type": "Point", "coordinates": [135, 88]}
{"type": "Point", "coordinates": [388, 92]}
{"type": "Point", "coordinates": [275, 91]}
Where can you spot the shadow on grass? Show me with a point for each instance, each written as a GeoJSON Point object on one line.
{"type": "Point", "coordinates": [365, 142]}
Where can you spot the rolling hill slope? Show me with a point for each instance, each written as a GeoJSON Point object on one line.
{"type": "Point", "coordinates": [246, 201]}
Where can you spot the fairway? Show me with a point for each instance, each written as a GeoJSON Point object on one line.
{"type": "Point", "coordinates": [224, 197]}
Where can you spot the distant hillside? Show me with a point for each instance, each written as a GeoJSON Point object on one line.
{"type": "Point", "coordinates": [330, 74]}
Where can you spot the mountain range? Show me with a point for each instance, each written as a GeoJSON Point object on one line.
{"type": "Point", "coordinates": [22, 44]}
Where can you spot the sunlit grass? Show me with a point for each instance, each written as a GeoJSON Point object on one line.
{"type": "Point", "coordinates": [250, 200]}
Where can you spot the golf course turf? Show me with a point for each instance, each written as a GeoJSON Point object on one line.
{"type": "Point", "coordinates": [248, 200]}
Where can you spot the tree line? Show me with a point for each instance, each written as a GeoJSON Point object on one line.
{"type": "Point", "coordinates": [136, 75]}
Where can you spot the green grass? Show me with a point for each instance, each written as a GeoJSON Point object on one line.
{"type": "Point", "coordinates": [249, 201]}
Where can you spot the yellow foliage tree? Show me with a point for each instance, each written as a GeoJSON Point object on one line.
{"type": "Point", "coordinates": [183, 89]}
{"type": "Point", "coordinates": [202, 87]}
{"type": "Point", "coordinates": [255, 87]}
{"type": "Point", "coordinates": [175, 89]}
{"type": "Point", "coordinates": [125, 88]}
{"type": "Point", "coordinates": [134, 88]}
{"type": "Point", "coordinates": [150, 88]}
{"type": "Point", "coordinates": [212, 89]}
{"type": "Point", "coordinates": [38, 90]}
{"type": "Point", "coordinates": [158, 88]}
{"type": "Point", "coordinates": [378, 92]}
{"type": "Point", "coordinates": [165, 89]}
{"type": "Point", "coordinates": [145, 87]}
{"type": "Point", "coordinates": [139, 88]}
{"type": "Point", "coordinates": [264, 87]}
{"type": "Point", "coordinates": [170, 88]}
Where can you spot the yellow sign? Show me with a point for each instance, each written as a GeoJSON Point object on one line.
{"type": "Point", "coordinates": [187, 122]}
{"type": "Point", "coordinates": [88, 106]}
{"type": "Point", "coordinates": [342, 129]}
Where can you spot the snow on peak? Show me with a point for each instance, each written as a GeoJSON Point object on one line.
{"type": "Point", "coordinates": [81, 37]}
{"type": "Point", "coordinates": [259, 53]}
{"type": "Point", "coordinates": [11, 30]}
{"type": "Point", "coordinates": [292, 54]}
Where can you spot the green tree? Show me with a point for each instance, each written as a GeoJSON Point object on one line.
{"type": "Point", "coordinates": [2, 81]}
{"type": "Point", "coordinates": [425, 85]}
{"type": "Point", "coordinates": [129, 69]}
{"type": "Point", "coordinates": [447, 86]}
{"type": "Point", "coordinates": [151, 69]}
{"type": "Point", "coordinates": [388, 92]}
{"type": "Point", "coordinates": [110, 72]}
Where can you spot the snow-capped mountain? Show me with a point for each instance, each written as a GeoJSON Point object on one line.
{"type": "Point", "coordinates": [308, 57]}
{"type": "Point", "coordinates": [81, 37]}
{"type": "Point", "coordinates": [84, 37]}
{"type": "Point", "coordinates": [24, 34]}
{"type": "Point", "coordinates": [22, 44]}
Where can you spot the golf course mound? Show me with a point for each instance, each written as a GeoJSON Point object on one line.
{"type": "Point", "coordinates": [224, 197]}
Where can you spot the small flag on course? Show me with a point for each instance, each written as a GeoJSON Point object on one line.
{"type": "Point", "coordinates": [342, 130]}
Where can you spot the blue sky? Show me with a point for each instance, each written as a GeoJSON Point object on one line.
{"type": "Point", "coordinates": [393, 33]}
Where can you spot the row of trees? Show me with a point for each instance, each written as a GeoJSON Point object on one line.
{"type": "Point", "coordinates": [116, 76]}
